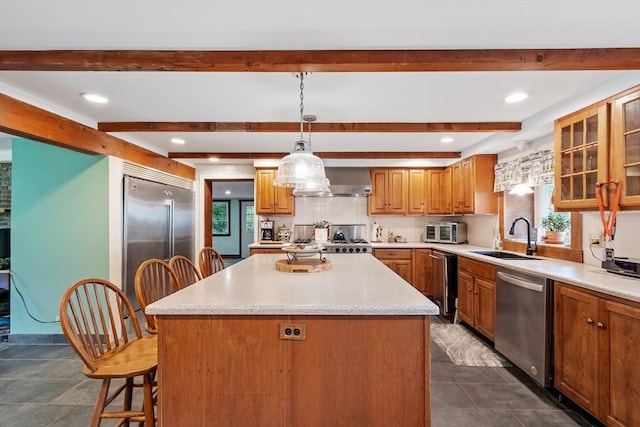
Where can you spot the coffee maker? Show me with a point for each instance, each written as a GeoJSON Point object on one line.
{"type": "Point", "coordinates": [267, 232]}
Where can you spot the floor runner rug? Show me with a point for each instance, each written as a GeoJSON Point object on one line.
{"type": "Point", "coordinates": [464, 348]}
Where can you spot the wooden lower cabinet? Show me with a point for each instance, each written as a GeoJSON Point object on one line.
{"type": "Point", "coordinates": [254, 251]}
{"type": "Point", "coordinates": [398, 260]}
{"type": "Point", "coordinates": [348, 371]}
{"type": "Point", "coordinates": [422, 268]}
{"type": "Point", "coordinates": [597, 348]}
{"type": "Point", "coordinates": [477, 295]}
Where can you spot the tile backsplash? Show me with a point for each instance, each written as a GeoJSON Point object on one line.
{"type": "Point", "coordinates": [353, 210]}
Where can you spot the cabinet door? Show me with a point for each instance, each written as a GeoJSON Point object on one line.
{"type": "Point", "coordinates": [465, 297]}
{"type": "Point", "coordinates": [404, 269]}
{"type": "Point", "coordinates": [436, 190]}
{"type": "Point", "coordinates": [575, 346]}
{"type": "Point", "coordinates": [581, 144]}
{"type": "Point", "coordinates": [422, 267]}
{"type": "Point", "coordinates": [619, 329]}
{"type": "Point", "coordinates": [397, 191]}
{"type": "Point", "coordinates": [377, 200]}
{"type": "Point", "coordinates": [625, 148]}
{"type": "Point", "coordinates": [456, 187]}
{"type": "Point", "coordinates": [417, 191]}
{"type": "Point", "coordinates": [467, 193]}
{"type": "Point", "coordinates": [264, 191]}
{"type": "Point", "coordinates": [448, 191]}
{"type": "Point", "coordinates": [284, 203]}
{"type": "Point", "coordinates": [485, 307]}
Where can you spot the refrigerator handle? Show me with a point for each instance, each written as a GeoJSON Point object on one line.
{"type": "Point", "coordinates": [170, 211]}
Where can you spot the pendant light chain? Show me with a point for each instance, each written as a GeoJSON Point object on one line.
{"type": "Point", "coordinates": [301, 105]}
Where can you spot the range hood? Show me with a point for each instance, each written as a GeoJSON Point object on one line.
{"type": "Point", "coordinates": [349, 181]}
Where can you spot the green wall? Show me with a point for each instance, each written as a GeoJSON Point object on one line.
{"type": "Point", "coordinates": [59, 229]}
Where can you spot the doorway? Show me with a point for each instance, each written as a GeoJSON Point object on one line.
{"type": "Point", "coordinates": [237, 195]}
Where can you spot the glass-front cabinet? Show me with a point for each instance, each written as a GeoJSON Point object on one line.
{"type": "Point", "coordinates": [625, 149]}
{"type": "Point", "coordinates": [581, 144]}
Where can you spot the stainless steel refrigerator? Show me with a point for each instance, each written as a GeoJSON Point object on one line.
{"type": "Point", "coordinates": [158, 223]}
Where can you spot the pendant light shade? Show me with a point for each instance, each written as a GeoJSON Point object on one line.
{"type": "Point", "coordinates": [300, 169]}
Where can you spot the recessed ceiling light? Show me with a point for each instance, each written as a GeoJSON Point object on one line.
{"type": "Point", "coordinates": [446, 139]}
{"type": "Point", "coordinates": [214, 159]}
{"type": "Point", "coordinates": [179, 141]}
{"type": "Point", "coordinates": [227, 192]}
{"type": "Point", "coordinates": [516, 97]}
{"type": "Point", "coordinates": [94, 97]}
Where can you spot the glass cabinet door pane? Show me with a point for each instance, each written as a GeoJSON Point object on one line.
{"type": "Point", "coordinates": [592, 158]}
{"type": "Point", "coordinates": [566, 163]}
{"type": "Point", "coordinates": [632, 148]}
{"type": "Point", "coordinates": [578, 161]}
{"type": "Point", "coordinates": [632, 115]}
{"type": "Point", "coordinates": [578, 189]}
{"type": "Point", "coordinates": [633, 181]}
{"type": "Point", "coordinates": [565, 189]}
{"type": "Point", "coordinates": [566, 138]}
{"type": "Point", "coordinates": [578, 136]}
{"type": "Point", "coordinates": [592, 180]}
{"type": "Point", "coordinates": [592, 129]}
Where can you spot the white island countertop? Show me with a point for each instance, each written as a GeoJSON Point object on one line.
{"type": "Point", "coordinates": [357, 284]}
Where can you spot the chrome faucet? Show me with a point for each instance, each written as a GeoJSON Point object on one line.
{"type": "Point", "coordinates": [512, 232]}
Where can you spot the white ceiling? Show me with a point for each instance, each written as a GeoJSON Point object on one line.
{"type": "Point", "coordinates": [333, 97]}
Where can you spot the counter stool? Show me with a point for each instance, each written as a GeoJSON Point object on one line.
{"type": "Point", "coordinates": [210, 261]}
{"type": "Point", "coordinates": [94, 314]}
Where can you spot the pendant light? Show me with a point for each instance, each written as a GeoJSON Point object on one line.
{"type": "Point", "coordinates": [301, 169]}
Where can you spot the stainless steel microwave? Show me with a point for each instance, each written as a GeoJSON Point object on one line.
{"type": "Point", "coordinates": [445, 232]}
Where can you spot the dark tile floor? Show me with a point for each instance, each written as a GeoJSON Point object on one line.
{"type": "Point", "coordinates": [42, 385]}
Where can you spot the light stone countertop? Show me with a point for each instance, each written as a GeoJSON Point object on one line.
{"type": "Point", "coordinates": [583, 275]}
{"type": "Point", "coordinates": [357, 284]}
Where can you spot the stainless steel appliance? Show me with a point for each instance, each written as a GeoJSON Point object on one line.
{"type": "Point", "coordinates": [267, 231]}
{"type": "Point", "coordinates": [445, 232]}
{"type": "Point", "coordinates": [629, 267]}
{"type": "Point", "coordinates": [444, 283]}
{"type": "Point", "coordinates": [346, 238]}
{"type": "Point", "coordinates": [523, 322]}
{"type": "Point", "coordinates": [158, 223]}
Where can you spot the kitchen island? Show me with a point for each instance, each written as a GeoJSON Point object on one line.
{"type": "Point", "coordinates": [253, 346]}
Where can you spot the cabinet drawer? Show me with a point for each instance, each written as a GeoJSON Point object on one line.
{"type": "Point", "coordinates": [392, 253]}
{"type": "Point", "coordinates": [477, 268]}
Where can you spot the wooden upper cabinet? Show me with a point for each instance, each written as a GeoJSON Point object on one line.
{"type": "Point", "coordinates": [438, 191]}
{"type": "Point", "coordinates": [472, 185]}
{"type": "Point", "coordinates": [417, 204]}
{"type": "Point", "coordinates": [389, 191]}
{"type": "Point", "coordinates": [625, 148]}
{"type": "Point", "coordinates": [270, 199]}
{"type": "Point", "coordinates": [581, 146]}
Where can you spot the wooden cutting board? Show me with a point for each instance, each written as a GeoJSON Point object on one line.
{"type": "Point", "coordinates": [303, 265]}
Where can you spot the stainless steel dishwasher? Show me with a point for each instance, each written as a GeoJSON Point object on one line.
{"type": "Point", "coordinates": [523, 322]}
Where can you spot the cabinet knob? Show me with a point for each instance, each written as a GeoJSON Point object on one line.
{"type": "Point", "coordinates": [600, 325]}
{"type": "Point", "coordinates": [475, 293]}
{"type": "Point", "coordinates": [469, 290]}
{"type": "Point", "coordinates": [589, 320]}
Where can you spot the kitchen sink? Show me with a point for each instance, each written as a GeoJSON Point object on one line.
{"type": "Point", "coordinates": [504, 255]}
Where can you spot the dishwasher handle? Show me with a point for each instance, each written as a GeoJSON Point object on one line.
{"type": "Point", "coordinates": [519, 282]}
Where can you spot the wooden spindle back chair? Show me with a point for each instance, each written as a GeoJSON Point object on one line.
{"type": "Point", "coordinates": [154, 280]}
{"type": "Point", "coordinates": [210, 261]}
{"type": "Point", "coordinates": [95, 316]}
{"type": "Point", "coordinates": [186, 272]}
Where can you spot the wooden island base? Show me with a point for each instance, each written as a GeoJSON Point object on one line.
{"type": "Point", "coordinates": [224, 370]}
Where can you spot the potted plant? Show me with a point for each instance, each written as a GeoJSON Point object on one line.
{"type": "Point", "coordinates": [556, 224]}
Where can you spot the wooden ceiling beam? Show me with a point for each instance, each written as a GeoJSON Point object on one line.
{"type": "Point", "coordinates": [323, 155]}
{"type": "Point", "coordinates": [27, 121]}
{"type": "Point", "coordinates": [323, 60]}
{"type": "Point", "coordinates": [317, 127]}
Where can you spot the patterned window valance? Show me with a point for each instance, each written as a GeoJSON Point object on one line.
{"type": "Point", "coordinates": [533, 169]}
